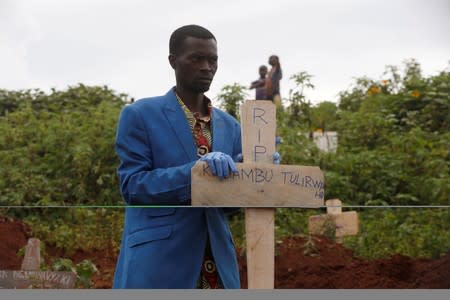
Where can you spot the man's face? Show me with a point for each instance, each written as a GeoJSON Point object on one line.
{"type": "Point", "coordinates": [195, 64]}
{"type": "Point", "coordinates": [262, 72]}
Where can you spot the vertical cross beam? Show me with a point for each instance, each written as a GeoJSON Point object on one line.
{"type": "Point", "coordinates": [258, 123]}
{"type": "Point", "coordinates": [32, 257]}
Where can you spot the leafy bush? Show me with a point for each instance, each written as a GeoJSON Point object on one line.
{"type": "Point", "coordinates": [411, 232]}
{"type": "Point", "coordinates": [78, 228]}
{"type": "Point", "coordinates": [84, 270]}
{"type": "Point", "coordinates": [58, 149]}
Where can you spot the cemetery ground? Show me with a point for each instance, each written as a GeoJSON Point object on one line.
{"type": "Point", "coordinates": [301, 261]}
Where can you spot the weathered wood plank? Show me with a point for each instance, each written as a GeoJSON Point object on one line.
{"type": "Point", "coordinates": [31, 277]}
{"type": "Point", "coordinates": [36, 279]}
{"type": "Point", "coordinates": [259, 185]}
{"type": "Point", "coordinates": [258, 124]}
{"type": "Point", "coordinates": [334, 206]}
{"type": "Point", "coordinates": [260, 247]}
{"type": "Point", "coordinates": [32, 257]}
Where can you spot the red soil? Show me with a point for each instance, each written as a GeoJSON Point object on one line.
{"type": "Point", "coordinates": [327, 265]}
{"type": "Point", "coordinates": [333, 266]}
{"type": "Point", "coordinates": [13, 236]}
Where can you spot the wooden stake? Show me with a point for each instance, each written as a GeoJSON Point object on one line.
{"type": "Point", "coordinates": [258, 124]}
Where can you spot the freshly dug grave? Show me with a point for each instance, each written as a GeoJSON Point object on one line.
{"type": "Point", "coordinates": [328, 265]}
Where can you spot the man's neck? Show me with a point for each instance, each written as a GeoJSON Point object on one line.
{"type": "Point", "coordinates": [193, 101]}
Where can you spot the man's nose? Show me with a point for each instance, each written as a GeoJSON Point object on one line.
{"type": "Point", "coordinates": [206, 65]}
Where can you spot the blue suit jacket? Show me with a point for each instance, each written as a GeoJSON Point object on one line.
{"type": "Point", "coordinates": [164, 247]}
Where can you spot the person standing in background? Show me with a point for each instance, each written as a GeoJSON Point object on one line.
{"type": "Point", "coordinates": [259, 84]}
{"type": "Point", "coordinates": [272, 86]}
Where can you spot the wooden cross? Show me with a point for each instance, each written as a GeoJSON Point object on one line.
{"type": "Point", "coordinates": [260, 186]}
{"type": "Point", "coordinates": [337, 222]}
{"type": "Point", "coordinates": [30, 276]}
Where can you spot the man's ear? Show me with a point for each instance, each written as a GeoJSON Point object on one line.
{"type": "Point", "coordinates": [172, 60]}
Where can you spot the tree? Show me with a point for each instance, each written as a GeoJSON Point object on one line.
{"type": "Point", "coordinates": [300, 106]}
{"type": "Point", "coordinates": [231, 97]}
{"type": "Point", "coordinates": [324, 115]}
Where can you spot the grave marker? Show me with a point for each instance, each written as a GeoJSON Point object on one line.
{"type": "Point", "coordinates": [32, 257]}
{"type": "Point", "coordinates": [259, 182]}
{"type": "Point", "coordinates": [343, 223]}
{"type": "Point", "coordinates": [31, 277]}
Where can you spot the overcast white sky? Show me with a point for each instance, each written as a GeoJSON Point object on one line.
{"type": "Point", "coordinates": [124, 44]}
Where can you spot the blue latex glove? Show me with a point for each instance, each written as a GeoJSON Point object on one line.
{"type": "Point", "coordinates": [220, 164]}
{"type": "Point", "coordinates": [276, 158]}
{"type": "Point", "coordinates": [278, 140]}
{"type": "Point", "coordinates": [239, 158]}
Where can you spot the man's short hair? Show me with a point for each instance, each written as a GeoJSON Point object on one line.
{"type": "Point", "coordinates": [179, 35]}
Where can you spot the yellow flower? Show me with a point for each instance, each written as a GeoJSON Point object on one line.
{"type": "Point", "coordinates": [374, 90]}
{"type": "Point", "coordinates": [385, 82]}
{"type": "Point", "coordinates": [415, 94]}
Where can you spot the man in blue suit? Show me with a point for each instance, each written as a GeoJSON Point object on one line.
{"type": "Point", "coordinates": [158, 141]}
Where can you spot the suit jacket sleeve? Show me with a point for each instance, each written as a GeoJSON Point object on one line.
{"type": "Point", "coordinates": [140, 183]}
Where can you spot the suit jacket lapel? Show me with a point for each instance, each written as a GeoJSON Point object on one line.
{"type": "Point", "coordinates": [179, 125]}
{"type": "Point", "coordinates": [218, 134]}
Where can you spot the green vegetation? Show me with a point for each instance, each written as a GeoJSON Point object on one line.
{"type": "Point", "coordinates": [413, 232]}
{"type": "Point", "coordinates": [78, 228]}
{"type": "Point", "coordinates": [231, 97]}
{"type": "Point", "coordinates": [84, 270]}
{"type": "Point", "coordinates": [394, 149]}
{"type": "Point", "coordinates": [57, 148]}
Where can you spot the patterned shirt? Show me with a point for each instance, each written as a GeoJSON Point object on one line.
{"type": "Point", "coordinates": [200, 126]}
{"type": "Point", "coordinates": [201, 131]}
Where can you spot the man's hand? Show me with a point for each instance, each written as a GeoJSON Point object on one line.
{"type": "Point", "coordinates": [276, 158]}
{"type": "Point", "coordinates": [238, 158]}
{"type": "Point", "coordinates": [220, 164]}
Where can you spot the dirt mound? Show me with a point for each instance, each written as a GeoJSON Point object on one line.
{"type": "Point", "coordinates": [320, 263]}
{"type": "Point", "coordinates": [299, 263]}
{"type": "Point", "coordinates": [13, 236]}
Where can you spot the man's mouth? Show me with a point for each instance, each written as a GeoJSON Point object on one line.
{"type": "Point", "coordinates": [204, 79]}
